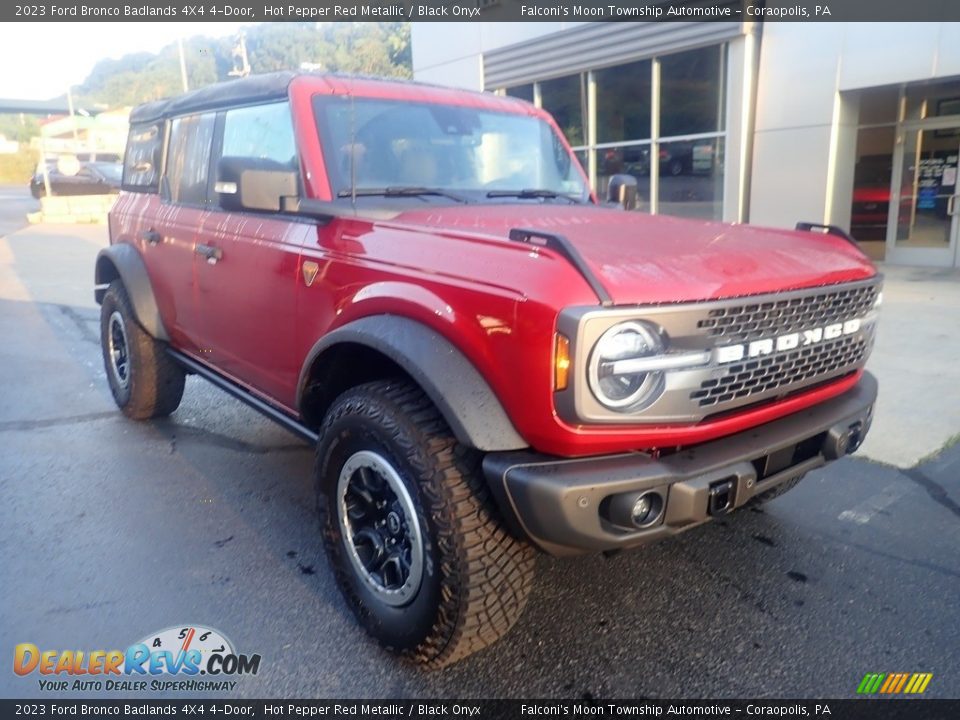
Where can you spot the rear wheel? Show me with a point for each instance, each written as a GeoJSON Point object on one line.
{"type": "Point", "coordinates": [410, 529]}
{"type": "Point", "coordinates": [145, 382]}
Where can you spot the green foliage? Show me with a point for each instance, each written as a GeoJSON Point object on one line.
{"type": "Point", "coordinates": [19, 128]}
{"type": "Point", "coordinates": [17, 168]}
{"type": "Point", "coordinates": [366, 48]}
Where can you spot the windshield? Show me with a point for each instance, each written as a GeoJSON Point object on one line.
{"type": "Point", "coordinates": [392, 144]}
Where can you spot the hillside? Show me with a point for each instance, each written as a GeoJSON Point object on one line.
{"type": "Point", "coordinates": [368, 48]}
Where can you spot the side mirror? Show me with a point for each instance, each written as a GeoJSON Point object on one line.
{"type": "Point", "coordinates": [622, 190]}
{"type": "Point", "coordinates": [254, 184]}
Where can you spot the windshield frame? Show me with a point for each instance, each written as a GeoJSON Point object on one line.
{"type": "Point", "coordinates": [342, 192]}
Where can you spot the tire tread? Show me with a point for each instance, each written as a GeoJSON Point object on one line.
{"type": "Point", "coordinates": [486, 573]}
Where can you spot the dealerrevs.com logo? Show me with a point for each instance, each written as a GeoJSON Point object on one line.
{"type": "Point", "coordinates": [170, 660]}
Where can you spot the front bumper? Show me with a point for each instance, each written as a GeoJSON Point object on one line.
{"type": "Point", "coordinates": [569, 506]}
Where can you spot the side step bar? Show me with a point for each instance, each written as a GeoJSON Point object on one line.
{"type": "Point", "coordinates": [245, 396]}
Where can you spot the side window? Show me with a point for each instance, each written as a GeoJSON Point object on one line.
{"type": "Point", "coordinates": [264, 132]}
{"type": "Point", "coordinates": [141, 162]}
{"type": "Point", "coordinates": [188, 158]}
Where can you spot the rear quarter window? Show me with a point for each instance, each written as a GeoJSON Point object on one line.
{"type": "Point", "coordinates": [141, 164]}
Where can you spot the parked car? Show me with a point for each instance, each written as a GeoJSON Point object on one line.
{"type": "Point", "coordinates": [490, 362]}
{"type": "Point", "coordinates": [675, 158]}
{"type": "Point", "coordinates": [92, 178]}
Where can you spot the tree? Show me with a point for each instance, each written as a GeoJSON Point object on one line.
{"type": "Point", "coordinates": [365, 48]}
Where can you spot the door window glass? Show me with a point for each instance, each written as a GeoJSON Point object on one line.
{"type": "Point", "coordinates": [189, 158]}
{"type": "Point", "coordinates": [871, 183]}
{"type": "Point", "coordinates": [262, 131]}
{"type": "Point", "coordinates": [929, 180]}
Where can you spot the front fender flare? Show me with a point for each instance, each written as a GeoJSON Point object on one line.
{"type": "Point", "coordinates": [455, 386]}
{"type": "Point", "coordinates": [125, 262]}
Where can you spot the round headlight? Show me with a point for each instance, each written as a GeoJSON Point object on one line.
{"type": "Point", "coordinates": [611, 380]}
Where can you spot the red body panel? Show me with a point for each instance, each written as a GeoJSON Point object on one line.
{"type": "Point", "coordinates": [455, 270]}
{"type": "Point", "coordinates": [500, 307]}
{"type": "Point", "coordinates": [170, 262]}
{"type": "Point", "coordinates": [247, 301]}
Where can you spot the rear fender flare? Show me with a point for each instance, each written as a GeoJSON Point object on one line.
{"type": "Point", "coordinates": [124, 262]}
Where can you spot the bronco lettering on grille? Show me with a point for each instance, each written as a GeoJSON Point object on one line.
{"type": "Point", "coordinates": [768, 346]}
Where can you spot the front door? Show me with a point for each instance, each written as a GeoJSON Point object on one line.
{"type": "Point", "coordinates": [247, 282]}
{"type": "Point", "coordinates": [923, 224]}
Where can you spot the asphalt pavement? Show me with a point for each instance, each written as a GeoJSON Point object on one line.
{"type": "Point", "coordinates": [111, 530]}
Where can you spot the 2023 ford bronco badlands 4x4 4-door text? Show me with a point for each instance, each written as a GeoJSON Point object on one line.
{"type": "Point", "coordinates": [419, 281]}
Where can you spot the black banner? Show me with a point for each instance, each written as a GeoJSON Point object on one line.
{"type": "Point", "coordinates": [915, 709]}
{"type": "Point", "coordinates": [482, 10]}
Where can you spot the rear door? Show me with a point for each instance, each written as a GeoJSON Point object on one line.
{"type": "Point", "coordinates": [247, 283]}
{"type": "Point", "coordinates": [168, 234]}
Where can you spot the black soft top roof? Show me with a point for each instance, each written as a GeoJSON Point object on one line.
{"type": "Point", "coordinates": [244, 91]}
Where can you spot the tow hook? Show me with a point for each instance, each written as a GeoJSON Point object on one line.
{"type": "Point", "coordinates": [720, 501]}
{"type": "Point", "coordinates": [842, 440]}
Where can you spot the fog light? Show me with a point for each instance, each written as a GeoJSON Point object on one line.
{"type": "Point", "coordinates": [636, 509]}
{"type": "Point", "coordinates": [641, 510]}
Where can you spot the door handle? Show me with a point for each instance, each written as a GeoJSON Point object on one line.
{"type": "Point", "coordinates": [952, 205]}
{"type": "Point", "coordinates": [211, 253]}
{"type": "Point", "coordinates": [152, 237]}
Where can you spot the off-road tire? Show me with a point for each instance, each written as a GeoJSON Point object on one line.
{"type": "Point", "coordinates": [476, 576]}
{"type": "Point", "coordinates": [776, 492]}
{"type": "Point", "coordinates": [154, 385]}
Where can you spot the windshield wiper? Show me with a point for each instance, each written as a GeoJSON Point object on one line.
{"type": "Point", "coordinates": [532, 194]}
{"type": "Point", "coordinates": [400, 192]}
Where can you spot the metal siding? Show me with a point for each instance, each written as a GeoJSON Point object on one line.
{"type": "Point", "coordinates": [597, 45]}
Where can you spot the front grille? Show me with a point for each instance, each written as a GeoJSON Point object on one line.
{"type": "Point", "coordinates": [753, 321]}
{"type": "Point", "coordinates": [796, 367]}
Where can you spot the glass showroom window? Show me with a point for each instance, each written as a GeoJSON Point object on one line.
{"type": "Point", "coordinates": [523, 92]}
{"type": "Point", "coordinates": [691, 142]}
{"type": "Point", "coordinates": [876, 138]}
{"type": "Point", "coordinates": [566, 99]}
{"type": "Point", "coordinates": [673, 143]}
{"type": "Point", "coordinates": [623, 126]}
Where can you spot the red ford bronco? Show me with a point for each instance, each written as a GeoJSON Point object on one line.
{"type": "Point", "coordinates": [489, 361]}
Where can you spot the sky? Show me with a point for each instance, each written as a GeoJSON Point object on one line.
{"type": "Point", "coordinates": [39, 61]}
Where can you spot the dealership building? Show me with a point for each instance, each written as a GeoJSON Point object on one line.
{"type": "Point", "coordinates": [769, 123]}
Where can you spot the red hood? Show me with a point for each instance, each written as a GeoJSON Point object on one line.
{"type": "Point", "coordinates": [643, 258]}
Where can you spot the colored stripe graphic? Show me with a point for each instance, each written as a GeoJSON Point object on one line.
{"type": "Point", "coordinates": [894, 683]}
{"type": "Point", "coordinates": [891, 681]}
{"type": "Point", "coordinates": [901, 683]}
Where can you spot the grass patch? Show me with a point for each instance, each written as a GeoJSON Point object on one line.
{"type": "Point", "coordinates": [17, 168]}
{"type": "Point", "coordinates": [942, 449]}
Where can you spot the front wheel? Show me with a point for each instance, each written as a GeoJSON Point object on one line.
{"type": "Point", "coordinates": [410, 529]}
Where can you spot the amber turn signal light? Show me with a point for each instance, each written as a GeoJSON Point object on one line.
{"type": "Point", "coordinates": [561, 363]}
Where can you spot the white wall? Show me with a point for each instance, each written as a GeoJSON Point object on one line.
{"type": "Point", "coordinates": [452, 53]}
{"type": "Point", "coordinates": [805, 129]}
